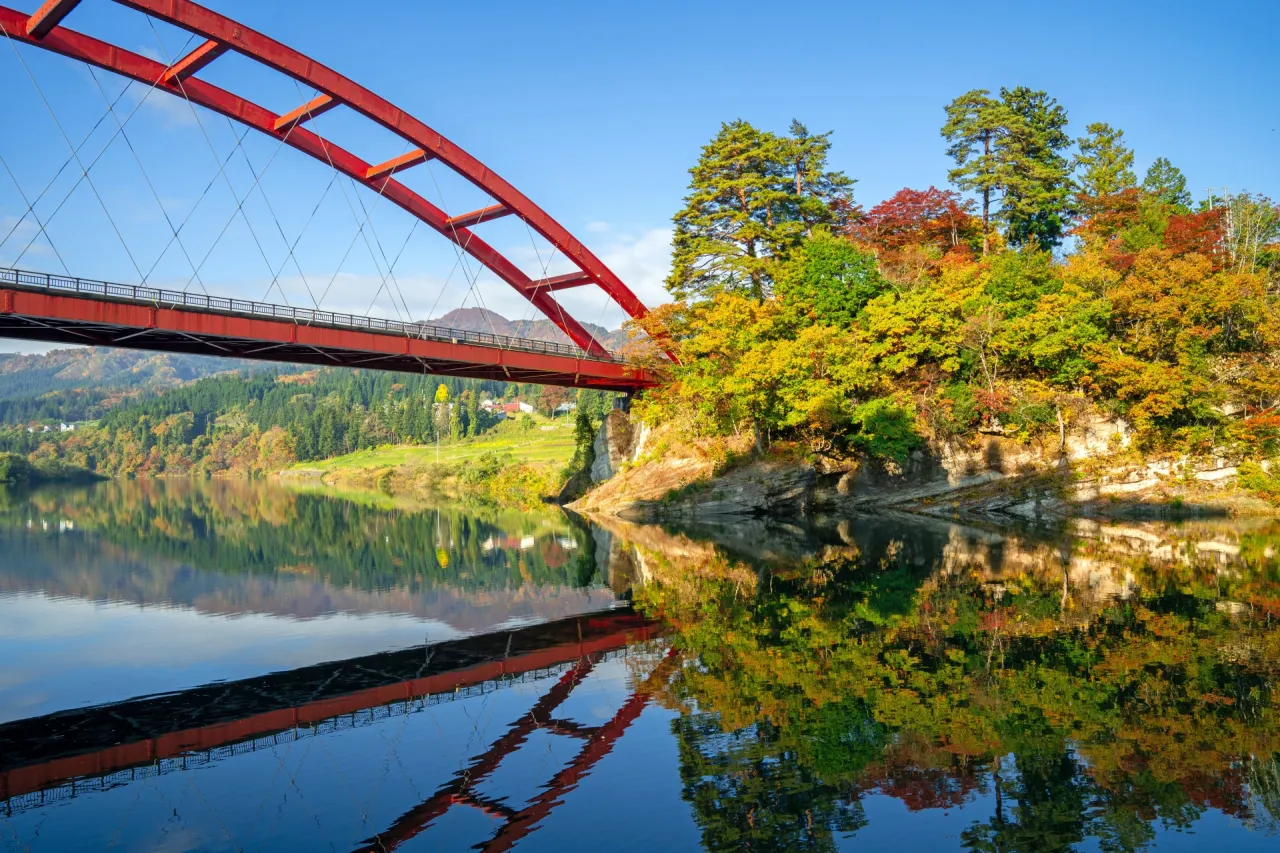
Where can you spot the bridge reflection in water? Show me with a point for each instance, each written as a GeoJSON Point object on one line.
{"type": "Point", "coordinates": [70, 754]}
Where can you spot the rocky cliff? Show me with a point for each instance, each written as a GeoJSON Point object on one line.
{"type": "Point", "coordinates": [1092, 470]}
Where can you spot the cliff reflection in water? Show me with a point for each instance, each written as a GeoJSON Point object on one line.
{"type": "Point", "coordinates": [1113, 682]}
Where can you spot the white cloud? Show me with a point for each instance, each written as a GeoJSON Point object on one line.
{"type": "Point", "coordinates": [173, 110]}
{"type": "Point", "coordinates": [643, 262]}
{"type": "Point", "coordinates": [641, 259]}
{"type": "Point", "coordinates": [16, 235]}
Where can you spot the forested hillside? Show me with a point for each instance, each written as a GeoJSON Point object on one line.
{"type": "Point", "coordinates": [83, 383]}
{"type": "Point", "coordinates": [1062, 287]}
{"type": "Point", "coordinates": [245, 424]}
{"type": "Point", "coordinates": [154, 414]}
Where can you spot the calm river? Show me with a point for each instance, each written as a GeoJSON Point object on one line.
{"type": "Point", "coordinates": [226, 666]}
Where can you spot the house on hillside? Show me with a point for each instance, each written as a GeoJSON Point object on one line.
{"type": "Point", "coordinates": [566, 408]}
{"type": "Point", "coordinates": [515, 407]}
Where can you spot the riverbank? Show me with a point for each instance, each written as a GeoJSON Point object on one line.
{"type": "Point", "coordinates": [644, 475]}
{"type": "Point", "coordinates": [17, 470]}
{"type": "Point", "coordinates": [517, 464]}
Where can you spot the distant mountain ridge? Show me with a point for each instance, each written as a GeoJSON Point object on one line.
{"type": "Point", "coordinates": [484, 320]}
{"type": "Point", "coordinates": [80, 384]}
{"type": "Point", "coordinates": [104, 367]}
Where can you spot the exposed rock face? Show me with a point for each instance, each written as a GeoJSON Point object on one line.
{"type": "Point", "coordinates": [1089, 471]}
{"type": "Point", "coordinates": [617, 563]}
{"type": "Point", "coordinates": [762, 487]}
{"type": "Point", "coordinates": [612, 446]}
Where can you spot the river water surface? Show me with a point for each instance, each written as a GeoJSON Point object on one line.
{"type": "Point", "coordinates": [222, 666]}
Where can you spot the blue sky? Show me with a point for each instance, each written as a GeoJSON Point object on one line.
{"type": "Point", "coordinates": [595, 111]}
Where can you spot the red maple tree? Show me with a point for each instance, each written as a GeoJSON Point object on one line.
{"type": "Point", "coordinates": [931, 217]}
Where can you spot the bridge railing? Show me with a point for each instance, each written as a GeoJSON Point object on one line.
{"type": "Point", "coordinates": [161, 298]}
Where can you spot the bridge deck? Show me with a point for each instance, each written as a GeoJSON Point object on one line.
{"type": "Point", "coordinates": [62, 309]}
{"type": "Point", "coordinates": [45, 751]}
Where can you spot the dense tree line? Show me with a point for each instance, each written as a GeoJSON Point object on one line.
{"type": "Point", "coordinates": [1061, 288]}
{"type": "Point", "coordinates": [83, 384]}
{"type": "Point", "coordinates": [251, 423]}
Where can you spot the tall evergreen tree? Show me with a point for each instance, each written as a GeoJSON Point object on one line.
{"type": "Point", "coordinates": [821, 197]}
{"type": "Point", "coordinates": [1036, 175]}
{"type": "Point", "coordinates": [1104, 164]}
{"type": "Point", "coordinates": [976, 124]}
{"type": "Point", "coordinates": [1166, 182]}
{"type": "Point", "coordinates": [1011, 148]}
{"type": "Point", "coordinates": [753, 195]}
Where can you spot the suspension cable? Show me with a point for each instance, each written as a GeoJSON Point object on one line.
{"type": "Point", "coordinates": [31, 209]}
{"type": "Point", "coordinates": [361, 225]}
{"type": "Point", "coordinates": [83, 171]}
{"type": "Point", "coordinates": [165, 213]}
{"type": "Point", "coordinates": [85, 141]}
{"type": "Point", "coordinates": [275, 279]}
{"type": "Point", "coordinates": [222, 171]}
{"type": "Point", "coordinates": [460, 250]}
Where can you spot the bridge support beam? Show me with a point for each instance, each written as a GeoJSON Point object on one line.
{"type": "Point", "coordinates": [317, 106]}
{"type": "Point", "coordinates": [194, 61]}
{"type": "Point", "coordinates": [49, 16]}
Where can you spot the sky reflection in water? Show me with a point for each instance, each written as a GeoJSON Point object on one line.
{"type": "Point", "coordinates": [881, 684]}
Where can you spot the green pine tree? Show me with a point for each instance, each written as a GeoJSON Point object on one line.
{"type": "Point", "coordinates": [1035, 174]}
{"type": "Point", "coordinates": [753, 195]}
{"type": "Point", "coordinates": [1011, 148]}
{"type": "Point", "coordinates": [1104, 164]}
{"type": "Point", "coordinates": [976, 124]}
{"type": "Point", "coordinates": [821, 197]}
{"type": "Point", "coordinates": [1166, 182]}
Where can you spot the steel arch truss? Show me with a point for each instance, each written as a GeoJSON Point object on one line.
{"type": "Point", "coordinates": [44, 29]}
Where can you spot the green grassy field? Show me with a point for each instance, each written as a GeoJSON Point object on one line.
{"type": "Point", "coordinates": [548, 442]}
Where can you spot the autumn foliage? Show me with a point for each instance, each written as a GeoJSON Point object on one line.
{"type": "Point", "coordinates": [897, 328]}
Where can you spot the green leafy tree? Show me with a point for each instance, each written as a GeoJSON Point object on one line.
{"type": "Point", "coordinates": [595, 404]}
{"type": "Point", "coordinates": [1019, 279]}
{"type": "Point", "coordinates": [1104, 164]}
{"type": "Point", "coordinates": [829, 279]}
{"type": "Point", "coordinates": [886, 430]}
{"type": "Point", "coordinates": [1166, 182]}
{"type": "Point", "coordinates": [468, 410]}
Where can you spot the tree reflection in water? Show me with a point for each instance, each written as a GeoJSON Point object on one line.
{"type": "Point", "coordinates": [1106, 682]}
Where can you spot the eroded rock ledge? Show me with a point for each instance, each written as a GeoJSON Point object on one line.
{"type": "Point", "coordinates": [646, 475]}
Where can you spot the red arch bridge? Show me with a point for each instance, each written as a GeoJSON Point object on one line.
{"type": "Point", "coordinates": [85, 750]}
{"type": "Point", "coordinates": [65, 309]}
